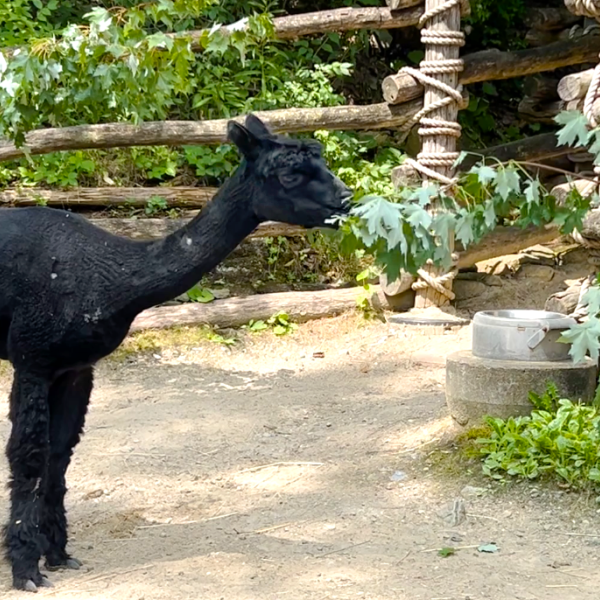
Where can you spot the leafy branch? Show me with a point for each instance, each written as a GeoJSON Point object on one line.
{"type": "Point", "coordinates": [118, 65]}
{"type": "Point", "coordinates": [403, 233]}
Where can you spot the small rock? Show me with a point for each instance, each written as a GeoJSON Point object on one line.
{"type": "Point", "coordinates": [468, 289]}
{"type": "Point", "coordinates": [93, 494]}
{"type": "Point", "coordinates": [398, 476]}
{"type": "Point", "coordinates": [537, 272]}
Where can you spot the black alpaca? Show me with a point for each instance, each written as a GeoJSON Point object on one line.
{"type": "Point", "coordinates": [69, 292]}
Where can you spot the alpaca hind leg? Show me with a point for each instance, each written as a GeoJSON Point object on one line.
{"type": "Point", "coordinates": [27, 452]}
{"type": "Point", "coordinates": [69, 398]}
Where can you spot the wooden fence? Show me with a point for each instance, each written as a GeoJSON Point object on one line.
{"type": "Point", "coordinates": [551, 47]}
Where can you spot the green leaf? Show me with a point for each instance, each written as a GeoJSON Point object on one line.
{"type": "Point", "coordinates": [464, 228]}
{"type": "Point", "coordinates": [574, 130]}
{"type": "Point", "coordinates": [532, 192]}
{"type": "Point", "coordinates": [484, 174]}
{"type": "Point", "coordinates": [446, 552]}
{"type": "Point", "coordinates": [507, 182]}
{"type": "Point", "coordinates": [584, 338]}
{"type": "Point", "coordinates": [594, 475]}
{"type": "Point", "coordinates": [489, 214]}
{"type": "Point", "coordinates": [489, 88]}
{"type": "Point", "coordinates": [424, 195]}
{"type": "Point", "coordinates": [197, 294]}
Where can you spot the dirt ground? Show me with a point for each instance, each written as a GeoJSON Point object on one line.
{"type": "Point", "coordinates": [297, 468]}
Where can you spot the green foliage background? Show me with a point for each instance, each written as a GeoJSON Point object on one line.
{"type": "Point", "coordinates": [80, 63]}
{"type": "Point", "coordinates": [116, 72]}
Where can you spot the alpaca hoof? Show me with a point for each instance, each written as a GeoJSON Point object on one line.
{"type": "Point", "coordinates": [73, 563]}
{"type": "Point", "coordinates": [66, 563]}
{"type": "Point", "coordinates": [29, 586]}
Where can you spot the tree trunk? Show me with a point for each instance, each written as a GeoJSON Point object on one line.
{"type": "Point", "coordinates": [178, 133]}
{"type": "Point", "coordinates": [149, 229]}
{"type": "Point", "coordinates": [234, 312]}
{"type": "Point", "coordinates": [447, 22]}
{"type": "Point", "coordinates": [135, 197]}
{"type": "Point", "coordinates": [534, 111]}
{"type": "Point", "coordinates": [489, 65]}
{"type": "Point", "coordinates": [548, 19]}
{"type": "Point", "coordinates": [535, 148]}
{"type": "Point", "coordinates": [575, 86]}
{"type": "Point", "coordinates": [541, 87]}
{"type": "Point", "coordinates": [505, 240]}
{"type": "Point", "coordinates": [565, 302]}
{"type": "Point", "coordinates": [536, 38]}
{"type": "Point", "coordinates": [401, 4]}
{"type": "Point", "coordinates": [338, 19]}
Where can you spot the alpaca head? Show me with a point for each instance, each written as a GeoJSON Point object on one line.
{"type": "Point", "coordinates": [291, 181]}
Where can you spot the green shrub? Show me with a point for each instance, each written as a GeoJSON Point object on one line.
{"type": "Point", "coordinates": [559, 440]}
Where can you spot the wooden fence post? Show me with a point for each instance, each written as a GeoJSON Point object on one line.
{"type": "Point", "coordinates": [438, 131]}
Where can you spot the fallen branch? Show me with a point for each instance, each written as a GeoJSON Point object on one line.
{"type": "Point", "coordinates": [489, 65]}
{"type": "Point", "coordinates": [180, 197]}
{"type": "Point", "coordinates": [548, 19]}
{"type": "Point", "coordinates": [534, 148]}
{"type": "Point", "coordinates": [533, 111]}
{"type": "Point", "coordinates": [506, 240]}
{"type": "Point", "coordinates": [149, 229]}
{"type": "Point", "coordinates": [339, 19]}
{"type": "Point", "coordinates": [178, 133]}
{"type": "Point", "coordinates": [234, 312]}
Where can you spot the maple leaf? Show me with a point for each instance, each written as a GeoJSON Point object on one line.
{"type": "Point", "coordinates": [418, 217]}
{"type": "Point", "coordinates": [592, 300]}
{"type": "Point", "coordinates": [484, 173]}
{"type": "Point", "coordinates": [574, 128]}
{"type": "Point", "coordinates": [443, 224]}
{"type": "Point", "coordinates": [464, 228]}
{"type": "Point", "coordinates": [507, 181]}
{"type": "Point", "coordinates": [489, 214]}
{"type": "Point", "coordinates": [584, 338]}
{"type": "Point", "coordinates": [532, 192]}
{"type": "Point", "coordinates": [423, 195]}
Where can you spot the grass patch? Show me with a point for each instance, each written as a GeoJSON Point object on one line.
{"type": "Point", "coordinates": [558, 443]}
{"type": "Point", "coordinates": [561, 444]}
{"type": "Point", "coordinates": [460, 458]}
{"type": "Point", "coordinates": [155, 340]}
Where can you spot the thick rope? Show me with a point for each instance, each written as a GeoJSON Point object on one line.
{"type": "Point", "coordinates": [438, 282]}
{"type": "Point", "coordinates": [435, 126]}
{"type": "Point", "coordinates": [584, 8]}
{"type": "Point", "coordinates": [428, 163]}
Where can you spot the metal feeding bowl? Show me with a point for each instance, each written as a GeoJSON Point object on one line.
{"type": "Point", "coordinates": [522, 335]}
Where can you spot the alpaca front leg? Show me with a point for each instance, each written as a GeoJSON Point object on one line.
{"type": "Point", "coordinates": [27, 452]}
{"type": "Point", "coordinates": [68, 400]}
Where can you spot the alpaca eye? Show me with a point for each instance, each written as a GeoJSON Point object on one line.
{"type": "Point", "coordinates": [290, 180]}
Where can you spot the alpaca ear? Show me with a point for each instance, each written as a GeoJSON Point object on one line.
{"type": "Point", "coordinates": [247, 143]}
{"type": "Point", "coordinates": [257, 127]}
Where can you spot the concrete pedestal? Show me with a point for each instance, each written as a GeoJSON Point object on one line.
{"type": "Point", "coordinates": [476, 387]}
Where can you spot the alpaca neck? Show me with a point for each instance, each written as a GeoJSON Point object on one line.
{"type": "Point", "coordinates": [176, 263]}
